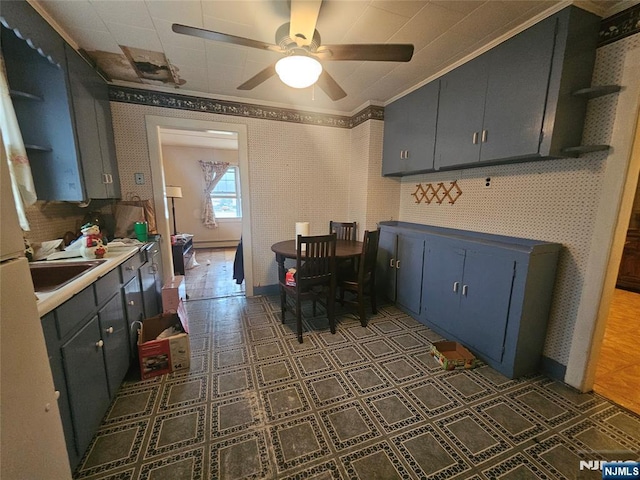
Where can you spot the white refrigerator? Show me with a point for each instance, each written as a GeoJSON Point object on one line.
{"type": "Point", "coordinates": [32, 442]}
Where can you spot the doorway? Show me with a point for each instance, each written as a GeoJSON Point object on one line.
{"type": "Point", "coordinates": [155, 126]}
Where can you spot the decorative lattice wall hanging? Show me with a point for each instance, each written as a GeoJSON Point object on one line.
{"type": "Point", "coordinates": [438, 193]}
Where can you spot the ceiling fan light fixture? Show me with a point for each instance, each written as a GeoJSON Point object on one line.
{"type": "Point", "coordinates": [298, 71]}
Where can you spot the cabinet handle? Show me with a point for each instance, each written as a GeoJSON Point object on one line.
{"type": "Point", "coordinates": [153, 268]}
{"type": "Point", "coordinates": [401, 154]}
{"type": "Point", "coordinates": [484, 136]}
{"type": "Point", "coordinates": [397, 263]}
{"type": "Point", "coordinates": [406, 154]}
{"type": "Point", "coordinates": [105, 178]}
{"type": "Point", "coordinates": [455, 287]}
{"type": "Point", "coordinates": [99, 344]}
{"type": "Point", "coordinates": [391, 263]}
{"type": "Point", "coordinates": [475, 138]}
{"type": "Point", "coordinates": [109, 330]}
{"type": "Point", "coordinates": [464, 290]}
{"type": "Point", "coordinates": [56, 394]}
{"type": "Point", "coordinates": [129, 269]}
{"type": "Point", "coordinates": [131, 302]}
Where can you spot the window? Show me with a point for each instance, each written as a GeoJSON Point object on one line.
{"type": "Point", "coordinates": [225, 197]}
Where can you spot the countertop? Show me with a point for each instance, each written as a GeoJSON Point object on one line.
{"type": "Point", "coordinates": [48, 301]}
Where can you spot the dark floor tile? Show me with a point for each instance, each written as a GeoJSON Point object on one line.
{"type": "Point", "coordinates": [233, 415]}
{"type": "Point", "coordinates": [376, 462]}
{"type": "Point", "coordinates": [511, 420]}
{"type": "Point", "coordinates": [188, 464]}
{"type": "Point", "coordinates": [297, 442]}
{"type": "Point", "coordinates": [392, 410]}
{"type": "Point", "coordinates": [132, 404]}
{"type": "Point", "coordinates": [429, 455]}
{"type": "Point", "coordinates": [284, 401]}
{"type": "Point", "coordinates": [324, 471]}
{"type": "Point", "coordinates": [431, 398]}
{"type": "Point", "coordinates": [467, 386]}
{"type": "Point", "coordinates": [348, 424]}
{"type": "Point", "coordinates": [229, 358]}
{"type": "Point", "coordinates": [517, 467]}
{"type": "Point", "coordinates": [185, 392]}
{"type": "Point", "coordinates": [545, 407]}
{"type": "Point", "coordinates": [328, 389]}
{"type": "Point", "coordinates": [269, 349]}
{"type": "Point", "coordinates": [348, 355]}
{"type": "Point", "coordinates": [313, 364]}
{"type": "Point", "coordinates": [243, 456]}
{"type": "Point", "coordinates": [367, 379]}
{"type": "Point", "coordinates": [176, 430]}
{"type": "Point", "coordinates": [231, 382]}
{"type": "Point", "coordinates": [275, 372]}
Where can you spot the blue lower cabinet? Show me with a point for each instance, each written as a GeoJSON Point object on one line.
{"type": "Point", "coordinates": [399, 268]}
{"type": "Point", "coordinates": [86, 377]}
{"type": "Point", "coordinates": [114, 331]}
{"type": "Point", "coordinates": [490, 293]}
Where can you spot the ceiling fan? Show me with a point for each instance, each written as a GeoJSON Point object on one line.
{"type": "Point", "coordinates": [299, 42]}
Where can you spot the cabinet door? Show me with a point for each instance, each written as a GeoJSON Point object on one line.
{"type": "Point", "coordinates": [134, 310]}
{"type": "Point", "coordinates": [484, 305]}
{"type": "Point", "coordinates": [115, 334]}
{"type": "Point", "coordinates": [149, 294]}
{"type": "Point", "coordinates": [385, 270]}
{"type": "Point", "coordinates": [409, 271]}
{"type": "Point", "coordinates": [107, 141]}
{"type": "Point", "coordinates": [460, 113]}
{"type": "Point", "coordinates": [159, 274]}
{"type": "Point", "coordinates": [86, 382]}
{"type": "Point", "coordinates": [441, 285]}
{"type": "Point", "coordinates": [82, 81]}
{"type": "Point", "coordinates": [410, 131]}
{"type": "Point", "coordinates": [519, 71]}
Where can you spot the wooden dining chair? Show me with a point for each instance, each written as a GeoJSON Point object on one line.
{"type": "Point", "coordinates": [361, 281]}
{"type": "Point", "coordinates": [315, 278]}
{"type": "Point", "coordinates": [343, 230]}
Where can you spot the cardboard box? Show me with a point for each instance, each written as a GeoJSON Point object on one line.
{"type": "Point", "coordinates": [166, 355]}
{"type": "Point", "coordinates": [173, 292]}
{"type": "Point", "coordinates": [452, 355]}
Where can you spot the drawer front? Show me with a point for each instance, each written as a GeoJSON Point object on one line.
{"type": "Point", "coordinates": [107, 285]}
{"type": "Point", "coordinates": [129, 268]}
{"type": "Point", "coordinates": [70, 314]}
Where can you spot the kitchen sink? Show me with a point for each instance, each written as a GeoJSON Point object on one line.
{"type": "Point", "coordinates": [52, 276]}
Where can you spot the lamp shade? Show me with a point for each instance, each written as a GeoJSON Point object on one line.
{"type": "Point", "coordinates": [173, 192]}
{"type": "Point", "coordinates": [298, 71]}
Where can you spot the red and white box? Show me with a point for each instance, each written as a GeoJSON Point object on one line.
{"type": "Point", "coordinates": [173, 292]}
{"type": "Point", "coordinates": [165, 355]}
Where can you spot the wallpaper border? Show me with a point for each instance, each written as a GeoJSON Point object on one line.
{"type": "Point", "coordinates": [239, 109]}
{"type": "Point", "coordinates": [620, 25]}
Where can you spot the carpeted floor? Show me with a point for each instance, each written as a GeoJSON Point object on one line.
{"type": "Point", "coordinates": [366, 403]}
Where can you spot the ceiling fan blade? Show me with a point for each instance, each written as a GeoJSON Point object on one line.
{"type": "Point", "coordinates": [330, 86]}
{"type": "Point", "coordinates": [257, 79]}
{"type": "Point", "coordinates": [304, 16]}
{"type": "Point", "coordinates": [394, 52]}
{"type": "Point", "coordinates": [222, 37]}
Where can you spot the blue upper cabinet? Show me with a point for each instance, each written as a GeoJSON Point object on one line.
{"type": "Point", "coordinates": [62, 107]}
{"type": "Point", "coordinates": [515, 102]}
{"type": "Point", "coordinates": [410, 132]}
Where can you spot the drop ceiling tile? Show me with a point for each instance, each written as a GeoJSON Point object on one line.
{"type": "Point", "coordinates": [374, 26]}
{"type": "Point", "coordinates": [82, 15]}
{"type": "Point", "coordinates": [94, 40]}
{"type": "Point", "coordinates": [337, 17]}
{"type": "Point", "coordinates": [462, 6]}
{"type": "Point", "coordinates": [126, 12]}
{"type": "Point", "coordinates": [225, 54]}
{"type": "Point", "coordinates": [142, 38]}
{"type": "Point", "coordinates": [195, 77]}
{"type": "Point", "coordinates": [431, 22]}
{"type": "Point", "coordinates": [185, 56]}
{"type": "Point", "coordinates": [400, 7]}
{"type": "Point", "coordinates": [169, 37]}
{"type": "Point", "coordinates": [188, 12]}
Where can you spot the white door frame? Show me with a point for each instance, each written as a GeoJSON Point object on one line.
{"type": "Point", "coordinates": [154, 123]}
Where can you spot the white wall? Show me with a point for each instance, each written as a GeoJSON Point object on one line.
{"type": "Point", "coordinates": [181, 168]}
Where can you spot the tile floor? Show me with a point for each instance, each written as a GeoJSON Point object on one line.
{"type": "Point", "coordinates": [366, 403]}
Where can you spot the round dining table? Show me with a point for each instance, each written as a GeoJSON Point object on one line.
{"type": "Point", "coordinates": [345, 249]}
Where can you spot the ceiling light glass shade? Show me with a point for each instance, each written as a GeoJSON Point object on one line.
{"type": "Point", "coordinates": [298, 71]}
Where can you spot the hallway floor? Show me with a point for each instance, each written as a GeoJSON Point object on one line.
{"type": "Point", "coordinates": [365, 403]}
{"type": "Point", "coordinates": [213, 276]}
{"type": "Point", "coordinates": [618, 371]}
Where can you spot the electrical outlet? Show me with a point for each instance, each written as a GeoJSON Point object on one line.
{"type": "Point", "coordinates": [139, 177]}
{"type": "Point", "coordinates": [487, 182]}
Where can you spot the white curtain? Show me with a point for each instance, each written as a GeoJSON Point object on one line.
{"type": "Point", "coordinates": [212, 172]}
{"type": "Point", "coordinates": [24, 192]}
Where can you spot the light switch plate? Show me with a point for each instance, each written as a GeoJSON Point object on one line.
{"type": "Point", "coordinates": [139, 177]}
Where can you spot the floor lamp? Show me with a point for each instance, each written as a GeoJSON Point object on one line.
{"type": "Point", "coordinates": [173, 193]}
